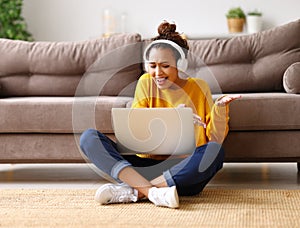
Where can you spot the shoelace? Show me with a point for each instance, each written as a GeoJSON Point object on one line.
{"type": "Point", "coordinates": [122, 196]}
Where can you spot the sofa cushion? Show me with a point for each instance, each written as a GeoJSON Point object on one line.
{"type": "Point", "coordinates": [56, 68]}
{"type": "Point", "coordinates": [24, 148]}
{"type": "Point", "coordinates": [291, 78]}
{"type": "Point", "coordinates": [58, 114]}
{"type": "Point", "coordinates": [265, 111]}
{"type": "Point", "coordinates": [254, 111]}
{"type": "Point", "coordinates": [259, 146]}
{"type": "Point", "coordinates": [247, 63]}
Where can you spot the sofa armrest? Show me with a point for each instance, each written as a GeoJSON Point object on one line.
{"type": "Point", "coordinates": [291, 78]}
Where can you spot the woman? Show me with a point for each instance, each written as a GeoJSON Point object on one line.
{"type": "Point", "coordinates": [164, 85]}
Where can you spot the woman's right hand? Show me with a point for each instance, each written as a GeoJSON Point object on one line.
{"type": "Point", "coordinates": [198, 120]}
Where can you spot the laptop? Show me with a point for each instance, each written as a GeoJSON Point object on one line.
{"type": "Point", "coordinates": [160, 131]}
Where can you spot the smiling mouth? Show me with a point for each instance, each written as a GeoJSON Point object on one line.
{"type": "Point", "coordinates": [161, 80]}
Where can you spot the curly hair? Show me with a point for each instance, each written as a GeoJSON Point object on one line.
{"type": "Point", "coordinates": [167, 31]}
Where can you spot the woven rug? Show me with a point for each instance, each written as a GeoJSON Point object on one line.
{"type": "Point", "coordinates": [211, 208]}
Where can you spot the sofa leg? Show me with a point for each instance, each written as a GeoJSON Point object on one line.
{"type": "Point", "coordinates": [298, 166]}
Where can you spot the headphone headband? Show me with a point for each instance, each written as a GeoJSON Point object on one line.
{"type": "Point", "coordinates": [169, 42]}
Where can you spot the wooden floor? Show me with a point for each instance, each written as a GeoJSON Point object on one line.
{"type": "Point", "coordinates": [83, 176]}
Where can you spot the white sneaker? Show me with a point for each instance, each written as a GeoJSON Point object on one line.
{"type": "Point", "coordinates": [116, 193]}
{"type": "Point", "coordinates": [165, 197]}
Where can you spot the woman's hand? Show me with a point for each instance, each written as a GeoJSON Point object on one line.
{"type": "Point", "coordinates": [196, 119]}
{"type": "Point", "coordinates": [226, 99]}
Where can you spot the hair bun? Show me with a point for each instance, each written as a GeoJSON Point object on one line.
{"type": "Point", "coordinates": [166, 28]}
{"type": "Point", "coordinates": [167, 31]}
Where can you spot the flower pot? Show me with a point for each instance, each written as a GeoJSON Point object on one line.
{"type": "Point", "coordinates": [235, 24]}
{"type": "Point", "coordinates": [254, 23]}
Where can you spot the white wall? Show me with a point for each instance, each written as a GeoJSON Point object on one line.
{"type": "Point", "coordinates": [71, 20]}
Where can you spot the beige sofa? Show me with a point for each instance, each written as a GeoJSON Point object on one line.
{"type": "Point", "coordinates": [52, 91]}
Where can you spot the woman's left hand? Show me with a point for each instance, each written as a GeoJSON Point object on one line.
{"type": "Point", "coordinates": [226, 99]}
{"type": "Point", "coordinates": [196, 119]}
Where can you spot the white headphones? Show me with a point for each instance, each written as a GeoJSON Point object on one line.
{"type": "Point", "coordinates": [182, 62]}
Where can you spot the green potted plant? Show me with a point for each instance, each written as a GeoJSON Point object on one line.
{"type": "Point", "coordinates": [254, 21]}
{"type": "Point", "coordinates": [12, 24]}
{"type": "Point", "coordinates": [235, 19]}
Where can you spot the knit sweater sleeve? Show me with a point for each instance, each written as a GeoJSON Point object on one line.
{"type": "Point", "coordinates": [217, 127]}
{"type": "Point", "coordinates": [141, 96]}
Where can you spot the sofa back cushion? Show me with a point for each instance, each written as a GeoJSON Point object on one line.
{"type": "Point", "coordinates": [248, 63]}
{"type": "Point", "coordinates": [57, 68]}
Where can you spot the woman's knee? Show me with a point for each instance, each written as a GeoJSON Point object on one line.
{"type": "Point", "coordinates": [86, 136]}
{"type": "Point", "coordinates": [87, 139]}
{"type": "Point", "coordinates": [216, 147]}
{"type": "Point", "coordinates": [208, 156]}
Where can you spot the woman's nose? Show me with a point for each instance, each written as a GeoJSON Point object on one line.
{"type": "Point", "coordinates": [158, 70]}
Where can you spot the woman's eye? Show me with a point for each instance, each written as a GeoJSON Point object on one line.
{"type": "Point", "coordinates": [153, 66]}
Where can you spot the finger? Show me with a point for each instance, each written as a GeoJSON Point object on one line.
{"type": "Point", "coordinates": [228, 99]}
{"type": "Point", "coordinates": [195, 116]}
{"type": "Point", "coordinates": [236, 96]}
{"type": "Point", "coordinates": [200, 123]}
{"type": "Point", "coordinates": [181, 106]}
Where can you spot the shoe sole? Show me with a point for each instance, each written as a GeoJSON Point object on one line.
{"type": "Point", "coordinates": [98, 193]}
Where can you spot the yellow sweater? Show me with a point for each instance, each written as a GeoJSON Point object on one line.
{"type": "Point", "coordinates": [195, 94]}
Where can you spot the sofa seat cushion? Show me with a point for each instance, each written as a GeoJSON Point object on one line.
{"type": "Point", "coordinates": [254, 111]}
{"type": "Point", "coordinates": [265, 111]}
{"type": "Point", "coordinates": [58, 114]}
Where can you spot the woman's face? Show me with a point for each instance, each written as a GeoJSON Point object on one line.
{"type": "Point", "coordinates": [162, 67]}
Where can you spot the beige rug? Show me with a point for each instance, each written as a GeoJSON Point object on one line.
{"type": "Point", "coordinates": [212, 208]}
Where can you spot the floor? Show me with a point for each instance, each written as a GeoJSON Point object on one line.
{"type": "Point", "coordinates": [84, 176]}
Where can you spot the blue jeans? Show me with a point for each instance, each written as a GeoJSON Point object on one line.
{"type": "Point", "coordinates": [190, 175]}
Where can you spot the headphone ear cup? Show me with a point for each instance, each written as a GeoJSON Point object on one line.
{"type": "Point", "coordinates": [146, 67]}
{"type": "Point", "coordinates": [182, 64]}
